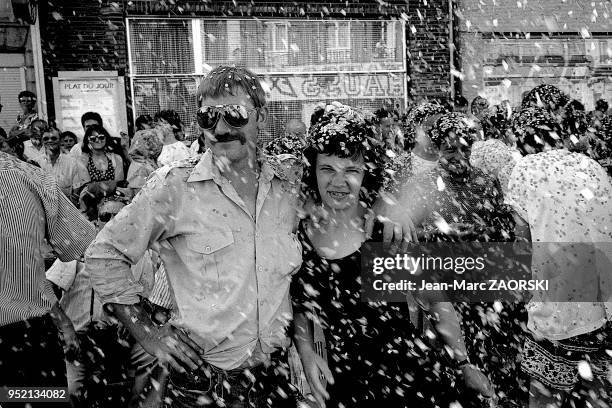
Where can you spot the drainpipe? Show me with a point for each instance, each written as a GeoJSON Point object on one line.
{"type": "Point", "coordinates": [451, 48]}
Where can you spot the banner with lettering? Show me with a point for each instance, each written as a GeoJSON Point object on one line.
{"type": "Point", "coordinates": [77, 92]}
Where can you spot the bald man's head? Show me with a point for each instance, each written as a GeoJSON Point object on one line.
{"type": "Point", "coordinates": [296, 127]}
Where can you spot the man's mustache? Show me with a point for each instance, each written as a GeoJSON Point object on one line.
{"type": "Point", "coordinates": [228, 137]}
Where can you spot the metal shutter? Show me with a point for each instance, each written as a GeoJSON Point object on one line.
{"type": "Point", "coordinates": [12, 81]}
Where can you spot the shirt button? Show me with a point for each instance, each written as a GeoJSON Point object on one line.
{"type": "Point", "coordinates": [207, 249]}
{"type": "Point", "coordinates": [260, 269]}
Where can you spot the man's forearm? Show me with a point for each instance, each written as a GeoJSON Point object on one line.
{"type": "Point", "coordinates": [447, 325]}
{"type": "Point", "coordinates": [61, 320]}
{"type": "Point", "coordinates": [134, 318]}
{"type": "Point", "coordinates": [303, 333]}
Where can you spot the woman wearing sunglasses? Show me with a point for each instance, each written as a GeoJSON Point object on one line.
{"type": "Point", "coordinates": [104, 168]}
{"type": "Point", "coordinates": [102, 165]}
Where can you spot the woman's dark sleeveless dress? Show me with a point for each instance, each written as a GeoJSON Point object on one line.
{"type": "Point", "coordinates": [372, 351]}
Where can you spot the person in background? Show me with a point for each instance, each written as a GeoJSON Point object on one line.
{"type": "Point", "coordinates": [67, 141]}
{"type": "Point", "coordinates": [169, 125]}
{"type": "Point", "coordinates": [461, 105]}
{"type": "Point", "coordinates": [14, 147]}
{"type": "Point", "coordinates": [102, 353]}
{"type": "Point", "coordinates": [114, 145]}
{"type": "Point", "coordinates": [104, 169]}
{"type": "Point", "coordinates": [87, 119]}
{"type": "Point", "coordinates": [33, 148]}
{"type": "Point", "coordinates": [27, 101]}
{"type": "Point", "coordinates": [417, 126]}
{"type": "Point", "coordinates": [547, 97]}
{"type": "Point", "coordinates": [564, 199]}
{"type": "Point", "coordinates": [144, 122]}
{"type": "Point", "coordinates": [296, 128]}
{"type": "Point", "coordinates": [69, 173]}
{"type": "Point", "coordinates": [33, 209]}
{"type": "Point", "coordinates": [470, 203]}
{"type": "Point", "coordinates": [479, 107]}
{"type": "Point", "coordinates": [388, 129]}
{"type": "Point", "coordinates": [601, 110]}
{"type": "Point", "coordinates": [146, 148]}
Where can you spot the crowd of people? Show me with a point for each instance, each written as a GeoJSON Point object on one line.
{"type": "Point", "coordinates": [143, 272]}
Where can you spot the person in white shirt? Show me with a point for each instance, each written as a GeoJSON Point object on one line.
{"type": "Point", "coordinates": [566, 200]}
{"type": "Point", "coordinates": [34, 148]}
{"type": "Point", "coordinates": [168, 124]}
{"type": "Point", "coordinates": [69, 173]}
{"type": "Point", "coordinates": [89, 323]}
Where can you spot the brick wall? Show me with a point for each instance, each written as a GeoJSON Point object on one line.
{"type": "Point", "coordinates": [76, 36]}
{"type": "Point", "coordinates": [428, 47]}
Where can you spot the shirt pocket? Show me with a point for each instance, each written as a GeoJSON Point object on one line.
{"type": "Point", "coordinates": [212, 250]}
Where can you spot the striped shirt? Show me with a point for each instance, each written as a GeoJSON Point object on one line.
{"type": "Point", "coordinates": [32, 209]}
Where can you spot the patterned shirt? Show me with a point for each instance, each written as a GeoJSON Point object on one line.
{"type": "Point", "coordinates": [32, 209]}
{"type": "Point", "coordinates": [228, 269]}
{"type": "Point", "coordinates": [567, 199]}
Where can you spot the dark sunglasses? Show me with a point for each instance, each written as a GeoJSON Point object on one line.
{"type": "Point", "coordinates": [106, 217]}
{"type": "Point", "coordinates": [236, 116]}
{"type": "Point", "coordinates": [23, 100]}
{"type": "Point", "coordinates": [98, 138]}
{"type": "Point", "coordinates": [50, 139]}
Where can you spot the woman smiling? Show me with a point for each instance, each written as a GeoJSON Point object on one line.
{"type": "Point", "coordinates": [370, 345]}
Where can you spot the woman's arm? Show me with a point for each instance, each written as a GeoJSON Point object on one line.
{"type": "Point", "coordinates": [444, 318]}
{"type": "Point", "coordinates": [314, 365]}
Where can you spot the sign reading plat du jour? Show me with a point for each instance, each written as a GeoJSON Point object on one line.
{"type": "Point", "coordinates": [77, 92]}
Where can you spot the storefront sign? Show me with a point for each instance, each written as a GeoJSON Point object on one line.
{"type": "Point", "coordinates": [77, 92]}
{"type": "Point", "coordinates": [342, 86]}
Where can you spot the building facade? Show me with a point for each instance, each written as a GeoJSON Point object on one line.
{"type": "Point", "coordinates": [20, 58]}
{"type": "Point", "coordinates": [365, 53]}
{"type": "Point", "coordinates": [508, 48]}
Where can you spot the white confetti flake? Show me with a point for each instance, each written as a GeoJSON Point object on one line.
{"type": "Point", "coordinates": [587, 194]}
{"type": "Point", "coordinates": [585, 33]}
{"type": "Point", "coordinates": [584, 369]}
{"type": "Point", "coordinates": [442, 225]}
{"type": "Point", "coordinates": [440, 184]}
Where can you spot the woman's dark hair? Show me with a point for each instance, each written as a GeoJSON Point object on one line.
{"type": "Point", "coordinates": [68, 134]}
{"type": "Point", "coordinates": [170, 116]}
{"type": "Point", "coordinates": [355, 139]}
{"type": "Point", "coordinates": [143, 119]}
{"type": "Point", "coordinates": [536, 127]}
{"type": "Point", "coordinates": [601, 105]}
{"type": "Point", "coordinates": [99, 130]}
{"type": "Point", "coordinates": [495, 123]}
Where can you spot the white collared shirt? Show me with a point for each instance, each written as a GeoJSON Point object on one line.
{"type": "Point", "coordinates": [228, 269]}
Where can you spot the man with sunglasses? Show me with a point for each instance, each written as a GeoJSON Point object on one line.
{"type": "Point", "coordinates": [69, 173]}
{"type": "Point", "coordinates": [224, 224]}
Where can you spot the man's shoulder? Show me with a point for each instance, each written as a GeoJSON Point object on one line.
{"type": "Point", "coordinates": [10, 165]}
{"type": "Point", "coordinates": [177, 171]}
